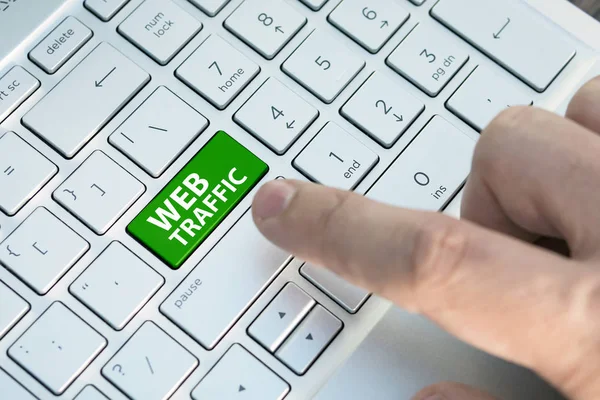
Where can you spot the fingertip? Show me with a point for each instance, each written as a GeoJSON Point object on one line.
{"type": "Point", "coordinates": [272, 200]}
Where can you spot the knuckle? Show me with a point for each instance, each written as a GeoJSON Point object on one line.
{"type": "Point", "coordinates": [437, 261]}
{"type": "Point", "coordinates": [333, 228]}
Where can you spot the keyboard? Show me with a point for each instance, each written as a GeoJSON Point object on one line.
{"type": "Point", "coordinates": [134, 134]}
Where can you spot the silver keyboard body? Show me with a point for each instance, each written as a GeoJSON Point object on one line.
{"type": "Point", "coordinates": [355, 326]}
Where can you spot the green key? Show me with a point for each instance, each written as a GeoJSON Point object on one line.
{"type": "Point", "coordinates": [197, 199]}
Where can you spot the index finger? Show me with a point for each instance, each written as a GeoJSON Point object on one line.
{"type": "Point", "coordinates": [477, 284]}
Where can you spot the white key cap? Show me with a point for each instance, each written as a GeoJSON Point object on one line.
{"type": "Point", "coordinates": [428, 58]}
{"type": "Point", "coordinates": [217, 71]}
{"type": "Point", "coordinates": [15, 87]}
{"type": "Point", "coordinates": [210, 7]}
{"type": "Point", "coordinates": [370, 23]}
{"type": "Point", "coordinates": [41, 250]}
{"type": "Point", "coordinates": [12, 309]}
{"type": "Point", "coordinates": [86, 99]}
{"type": "Point", "coordinates": [90, 393]}
{"type": "Point", "coordinates": [417, 2]}
{"type": "Point", "coordinates": [511, 33]}
{"type": "Point", "coordinates": [116, 285]}
{"type": "Point", "coordinates": [239, 374]}
{"type": "Point", "coordinates": [323, 66]}
{"type": "Point", "coordinates": [151, 365]}
{"type": "Point", "coordinates": [265, 25]}
{"type": "Point", "coordinates": [160, 28]}
{"type": "Point", "coordinates": [430, 171]}
{"type": "Point", "coordinates": [345, 294]}
{"type": "Point", "coordinates": [314, 5]}
{"type": "Point", "coordinates": [335, 158]}
{"type": "Point", "coordinates": [99, 192]}
{"type": "Point", "coordinates": [276, 116]}
{"type": "Point", "coordinates": [242, 265]}
{"type": "Point", "coordinates": [281, 316]}
{"type": "Point", "coordinates": [23, 172]}
{"type": "Point", "coordinates": [309, 340]}
{"type": "Point", "coordinates": [62, 337]}
{"type": "Point", "coordinates": [158, 131]}
{"type": "Point", "coordinates": [105, 9]}
{"type": "Point", "coordinates": [484, 95]}
{"type": "Point", "coordinates": [60, 45]}
{"type": "Point", "coordinates": [382, 109]}
{"type": "Point", "coordinates": [12, 389]}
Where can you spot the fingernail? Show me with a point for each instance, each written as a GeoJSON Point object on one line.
{"type": "Point", "coordinates": [272, 199]}
{"type": "Point", "coordinates": [436, 397]}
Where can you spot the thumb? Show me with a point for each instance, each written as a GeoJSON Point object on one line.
{"type": "Point", "coordinates": [493, 291]}
{"type": "Point", "coordinates": [452, 391]}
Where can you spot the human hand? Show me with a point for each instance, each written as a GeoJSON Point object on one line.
{"type": "Point", "coordinates": [534, 175]}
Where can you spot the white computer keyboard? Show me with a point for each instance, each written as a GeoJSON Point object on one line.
{"type": "Point", "coordinates": [137, 131]}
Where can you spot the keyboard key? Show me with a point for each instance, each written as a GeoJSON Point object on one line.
{"type": "Point", "coordinates": [12, 389]}
{"type": "Point", "coordinates": [19, 22]}
{"type": "Point", "coordinates": [281, 316]}
{"type": "Point", "coordinates": [369, 23]}
{"type": "Point", "coordinates": [197, 199]}
{"type": "Point", "coordinates": [484, 95]}
{"type": "Point", "coordinates": [265, 25]}
{"type": "Point", "coordinates": [158, 131]}
{"type": "Point", "coordinates": [314, 5]}
{"type": "Point", "coordinates": [276, 116]}
{"type": "Point", "coordinates": [239, 374]}
{"type": "Point", "coordinates": [382, 109]}
{"type": "Point", "coordinates": [242, 265]}
{"type": "Point", "coordinates": [41, 250]}
{"type": "Point", "coordinates": [512, 34]}
{"type": "Point", "coordinates": [430, 171]}
{"type": "Point", "coordinates": [99, 192]}
{"type": "Point", "coordinates": [15, 87]}
{"type": "Point", "coordinates": [105, 9]}
{"type": "Point", "coordinates": [335, 158]}
{"type": "Point", "coordinates": [323, 66]}
{"type": "Point", "coordinates": [417, 2]}
{"type": "Point", "coordinates": [116, 285]}
{"type": "Point", "coordinates": [210, 7]}
{"type": "Point", "coordinates": [309, 340]}
{"type": "Point", "coordinates": [151, 365]}
{"type": "Point", "coordinates": [60, 45]}
{"type": "Point", "coordinates": [12, 309]}
{"type": "Point", "coordinates": [429, 59]}
{"type": "Point", "coordinates": [86, 99]}
{"type": "Point", "coordinates": [61, 336]}
{"type": "Point", "coordinates": [23, 172]}
{"type": "Point", "coordinates": [217, 71]}
{"type": "Point", "coordinates": [348, 296]}
{"type": "Point", "coordinates": [90, 393]}
{"type": "Point", "coordinates": [160, 28]}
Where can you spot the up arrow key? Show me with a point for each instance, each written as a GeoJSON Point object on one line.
{"type": "Point", "coordinates": [309, 337]}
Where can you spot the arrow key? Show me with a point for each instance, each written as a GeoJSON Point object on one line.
{"type": "Point", "coordinates": [276, 116]}
{"type": "Point", "coordinates": [281, 317]}
{"type": "Point", "coordinates": [309, 340]}
{"type": "Point", "coordinates": [265, 25]}
{"type": "Point", "coordinates": [370, 26]}
{"type": "Point", "coordinates": [240, 375]}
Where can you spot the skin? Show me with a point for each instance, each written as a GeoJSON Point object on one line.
{"type": "Point", "coordinates": [485, 279]}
